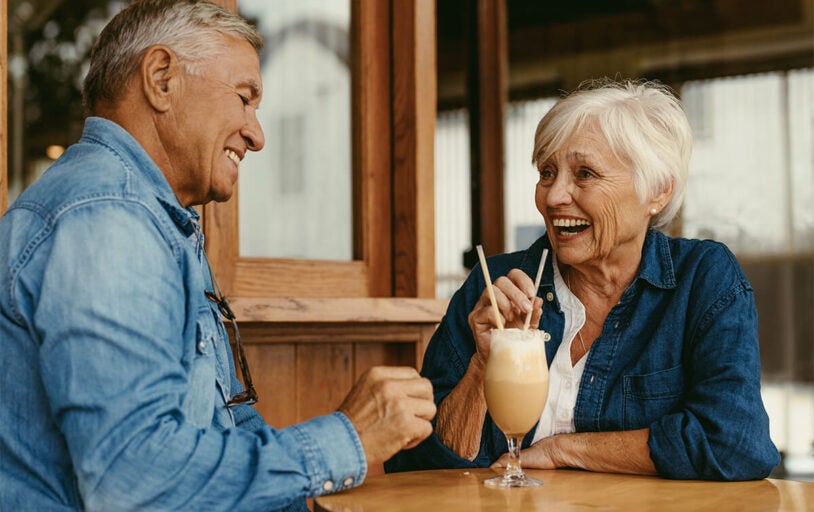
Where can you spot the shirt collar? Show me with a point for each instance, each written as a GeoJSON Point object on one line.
{"type": "Point", "coordinates": [656, 266]}
{"type": "Point", "coordinates": [108, 133]}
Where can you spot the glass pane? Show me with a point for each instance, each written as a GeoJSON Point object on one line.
{"type": "Point", "coordinates": [295, 195]}
{"type": "Point", "coordinates": [523, 221]}
{"type": "Point", "coordinates": [524, 224]}
{"type": "Point", "coordinates": [757, 201]}
{"type": "Point", "coordinates": [453, 222]}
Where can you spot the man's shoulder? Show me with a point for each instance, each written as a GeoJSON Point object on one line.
{"type": "Point", "coordinates": [86, 173]}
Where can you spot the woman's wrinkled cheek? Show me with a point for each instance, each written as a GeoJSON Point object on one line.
{"type": "Point", "coordinates": [605, 230]}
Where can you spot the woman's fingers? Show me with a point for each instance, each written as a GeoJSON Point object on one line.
{"type": "Point", "coordinates": [514, 297]}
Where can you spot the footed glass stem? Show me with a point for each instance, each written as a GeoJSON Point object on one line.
{"type": "Point", "coordinates": [513, 476]}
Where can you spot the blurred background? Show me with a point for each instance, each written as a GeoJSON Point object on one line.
{"type": "Point", "coordinates": [743, 68]}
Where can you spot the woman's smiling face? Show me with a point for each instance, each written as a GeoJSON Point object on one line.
{"type": "Point", "coordinates": [588, 199]}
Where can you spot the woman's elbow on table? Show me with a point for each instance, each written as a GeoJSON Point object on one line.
{"type": "Point", "coordinates": [686, 455]}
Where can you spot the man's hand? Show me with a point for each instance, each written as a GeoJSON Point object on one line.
{"type": "Point", "coordinates": [391, 409]}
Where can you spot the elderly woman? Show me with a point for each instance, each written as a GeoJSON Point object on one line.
{"type": "Point", "coordinates": [654, 362]}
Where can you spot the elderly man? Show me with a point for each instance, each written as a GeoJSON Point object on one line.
{"type": "Point", "coordinates": [119, 388]}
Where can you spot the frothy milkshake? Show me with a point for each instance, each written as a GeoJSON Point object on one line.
{"type": "Point", "coordinates": [516, 379]}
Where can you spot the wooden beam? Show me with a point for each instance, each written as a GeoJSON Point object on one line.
{"type": "Point", "coordinates": [414, 109]}
{"type": "Point", "coordinates": [311, 310]}
{"type": "Point", "coordinates": [3, 108]}
{"type": "Point", "coordinates": [487, 91]}
{"type": "Point", "coordinates": [371, 133]}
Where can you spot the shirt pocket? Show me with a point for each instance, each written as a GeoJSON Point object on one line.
{"type": "Point", "coordinates": [648, 397]}
{"type": "Point", "coordinates": [199, 402]}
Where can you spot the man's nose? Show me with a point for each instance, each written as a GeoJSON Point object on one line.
{"type": "Point", "coordinates": [252, 132]}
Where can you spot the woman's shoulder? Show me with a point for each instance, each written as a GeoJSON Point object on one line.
{"type": "Point", "coordinates": [709, 261]}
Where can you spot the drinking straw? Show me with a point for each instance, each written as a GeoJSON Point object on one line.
{"type": "Point", "coordinates": [536, 287]}
{"type": "Point", "coordinates": [489, 288]}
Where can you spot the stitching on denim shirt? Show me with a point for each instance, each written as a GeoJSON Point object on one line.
{"type": "Point", "coordinates": [311, 456]}
{"type": "Point", "coordinates": [722, 302]}
{"type": "Point", "coordinates": [49, 224]}
{"type": "Point", "coordinates": [457, 360]}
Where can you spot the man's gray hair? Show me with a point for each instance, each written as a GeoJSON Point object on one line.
{"type": "Point", "coordinates": [190, 28]}
{"type": "Point", "coordinates": [643, 123]}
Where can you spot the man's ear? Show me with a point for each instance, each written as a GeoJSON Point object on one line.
{"type": "Point", "coordinates": [159, 76]}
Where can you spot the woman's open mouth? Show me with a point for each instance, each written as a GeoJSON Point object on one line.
{"type": "Point", "coordinates": [570, 227]}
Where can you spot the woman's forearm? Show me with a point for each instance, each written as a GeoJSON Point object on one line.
{"type": "Point", "coordinates": [608, 452]}
{"type": "Point", "coordinates": [461, 414]}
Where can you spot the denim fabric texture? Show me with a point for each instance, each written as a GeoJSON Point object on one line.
{"type": "Point", "coordinates": [117, 369]}
{"type": "Point", "coordinates": [678, 354]}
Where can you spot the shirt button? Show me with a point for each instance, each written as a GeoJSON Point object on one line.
{"type": "Point", "coordinates": [549, 296]}
{"type": "Point", "coordinates": [201, 345]}
{"type": "Point", "coordinates": [616, 325]}
{"type": "Point", "coordinates": [348, 481]}
{"type": "Point", "coordinates": [328, 485]}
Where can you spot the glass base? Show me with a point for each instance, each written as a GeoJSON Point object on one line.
{"type": "Point", "coordinates": [515, 480]}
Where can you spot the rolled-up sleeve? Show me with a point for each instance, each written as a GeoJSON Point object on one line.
{"type": "Point", "coordinates": [722, 432]}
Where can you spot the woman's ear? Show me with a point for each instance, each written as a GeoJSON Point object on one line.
{"type": "Point", "coordinates": [159, 76]}
{"type": "Point", "coordinates": [660, 201]}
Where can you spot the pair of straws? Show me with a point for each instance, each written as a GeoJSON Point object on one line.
{"type": "Point", "coordinates": [491, 290]}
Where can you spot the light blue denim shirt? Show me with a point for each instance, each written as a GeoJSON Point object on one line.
{"type": "Point", "coordinates": [678, 354]}
{"type": "Point", "coordinates": [116, 368]}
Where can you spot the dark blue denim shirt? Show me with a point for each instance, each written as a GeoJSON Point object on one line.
{"type": "Point", "coordinates": [678, 354]}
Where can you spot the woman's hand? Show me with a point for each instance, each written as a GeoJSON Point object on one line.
{"type": "Point", "coordinates": [515, 296]}
{"type": "Point", "coordinates": [461, 413]}
{"type": "Point", "coordinates": [540, 455]}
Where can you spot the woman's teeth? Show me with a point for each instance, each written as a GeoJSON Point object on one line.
{"type": "Point", "coordinates": [570, 226]}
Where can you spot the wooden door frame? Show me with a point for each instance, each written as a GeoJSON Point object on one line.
{"type": "Point", "coordinates": [393, 122]}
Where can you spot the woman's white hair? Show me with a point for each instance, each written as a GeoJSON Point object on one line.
{"type": "Point", "coordinates": [189, 27]}
{"type": "Point", "coordinates": [643, 123]}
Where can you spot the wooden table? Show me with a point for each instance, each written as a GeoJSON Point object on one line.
{"type": "Point", "coordinates": [452, 490]}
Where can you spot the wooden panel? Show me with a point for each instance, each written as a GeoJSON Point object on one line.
{"type": "Point", "coordinates": [367, 355]}
{"type": "Point", "coordinates": [414, 102]}
{"type": "Point", "coordinates": [324, 376]}
{"type": "Point", "coordinates": [255, 277]}
{"type": "Point", "coordinates": [273, 371]}
{"type": "Point", "coordinates": [420, 347]}
{"type": "Point", "coordinates": [3, 109]}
